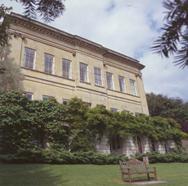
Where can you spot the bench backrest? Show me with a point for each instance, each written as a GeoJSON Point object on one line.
{"type": "Point", "coordinates": [134, 165]}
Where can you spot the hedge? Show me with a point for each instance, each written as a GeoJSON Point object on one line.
{"type": "Point", "coordinates": [62, 157]}
{"type": "Point", "coordinates": [66, 157]}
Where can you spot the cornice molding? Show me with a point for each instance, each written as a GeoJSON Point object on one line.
{"type": "Point", "coordinates": [29, 24]}
{"type": "Point", "coordinates": [24, 36]}
{"type": "Point", "coordinates": [74, 40]}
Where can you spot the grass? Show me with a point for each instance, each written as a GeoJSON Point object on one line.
{"type": "Point", "coordinates": [176, 174]}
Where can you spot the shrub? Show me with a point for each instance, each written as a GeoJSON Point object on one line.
{"type": "Point", "coordinates": [52, 156]}
{"type": "Point", "coordinates": [165, 158]}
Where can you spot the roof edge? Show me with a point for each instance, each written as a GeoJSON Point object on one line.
{"type": "Point", "coordinates": [79, 38]}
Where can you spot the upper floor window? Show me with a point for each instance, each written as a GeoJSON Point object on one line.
{"type": "Point", "coordinates": [122, 83]}
{"type": "Point", "coordinates": [29, 57]}
{"type": "Point", "coordinates": [45, 97]}
{"type": "Point", "coordinates": [109, 79]}
{"type": "Point", "coordinates": [114, 109]}
{"type": "Point", "coordinates": [48, 63]}
{"type": "Point", "coordinates": [83, 72]}
{"type": "Point", "coordinates": [115, 142]}
{"type": "Point", "coordinates": [29, 95]}
{"type": "Point", "coordinates": [66, 66]}
{"type": "Point", "coordinates": [97, 74]}
{"type": "Point", "coordinates": [133, 87]}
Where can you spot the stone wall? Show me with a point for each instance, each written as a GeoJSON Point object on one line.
{"type": "Point", "coordinates": [103, 146]}
{"type": "Point", "coordinates": [129, 146]}
{"type": "Point", "coordinates": [145, 145]}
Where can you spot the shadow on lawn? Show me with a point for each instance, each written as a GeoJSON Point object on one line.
{"type": "Point", "coordinates": [29, 175]}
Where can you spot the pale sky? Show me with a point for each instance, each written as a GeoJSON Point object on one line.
{"type": "Point", "coordinates": [127, 26]}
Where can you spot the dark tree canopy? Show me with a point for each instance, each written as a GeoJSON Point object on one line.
{"type": "Point", "coordinates": [174, 37]}
{"type": "Point", "coordinates": [3, 25]}
{"type": "Point", "coordinates": [10, 74]}
{"type": "Point", "coordinates": [163, 106]}
{"type": "Point", "coordinates": [48, 10]}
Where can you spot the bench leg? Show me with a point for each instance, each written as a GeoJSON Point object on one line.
{"type": "Point", "coordinates": [148, 177]}
{"type": "Point", "coordinates": [124, 177]}
{"type": "Point", "coordinates": [155, 173]}
{"type": "Point", "coordinates": [129, 177]}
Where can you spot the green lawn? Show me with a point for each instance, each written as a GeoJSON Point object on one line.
{"type": "Point", "coordinates": [176, 174]}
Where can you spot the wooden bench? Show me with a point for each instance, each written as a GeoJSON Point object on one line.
{"type": "Point", "coordinates": [136, 167]}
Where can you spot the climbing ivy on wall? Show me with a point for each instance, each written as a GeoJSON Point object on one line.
{"type": "Point", "coordinates": [34, 125]}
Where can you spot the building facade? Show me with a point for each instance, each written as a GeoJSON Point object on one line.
{"type": "Point", "coordinates": [60, 65]}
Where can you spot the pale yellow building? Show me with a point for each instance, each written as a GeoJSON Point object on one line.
{"type": "Point", "coordinates": [61, 65]}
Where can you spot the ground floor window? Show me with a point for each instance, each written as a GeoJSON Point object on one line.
{"type": "Point", "coordinates": [152, 146]}
{"type": "Point", "coordinates": [115, 143]}
{"type": "Point", "coordinates": [138, 143]}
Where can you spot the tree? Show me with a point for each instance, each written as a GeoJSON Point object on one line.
{"type": "Point", "coordinates": [174, 38]}
{"type": "Point", "coordinates": [163, 106]}
{"type": "Point", "coordinates": [10, 76]}
{"type": "Point", "coordinates": [28, 127]}
{"type": "Point", "coordinates": [48, 10]}
{"type": "Point", "coordinates": [4, 25]}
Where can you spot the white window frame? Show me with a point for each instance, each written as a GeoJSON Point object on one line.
{"type": "Point", "coordinates": [52, 70]}
{"type": "Point", "coordinates": [96, 75]}
{"type": "Point", "coordinates": [87, 74]}
{"type": "Point", "coordinates": [70, 68]}
{"type": "Point", "coordinates": [34, 58]}
{"type": "Point", "coordinates": [133, 87]}
{"type": "Point", "coordinates": [122, 85]}
{"type": "Point", "coordinates": [112, 83]}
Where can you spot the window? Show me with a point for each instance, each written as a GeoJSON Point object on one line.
{"type": "Point", "coordinates": [66, 68]}
{"type": "Point", "coordinates": [133, 87]}
{"type": "Point", "coordinates": [139, 144]}
{"type": "Point", "coordinates": [115, 143]}
{"type": "Point", "coordinates": [109, 78]}
{"type": "Point", "coordinates": [122, 83]}
{"type": "Point", "coordinates": [29, 95]}
{"type": "Point", "coordinates": [29, 57]}
{"type": "Point", "coordinates": [97, 74]}
{"type": "Point", "coordinates": [83, 72]}
{"type": "Point", "coordinates": [45, 97]}
{"type": "Point", "coordinates": [48, 63]}
{"type": "Point", "coordinates": [114, 109]}
{"type": "Point", "coordinates": [152, 145]}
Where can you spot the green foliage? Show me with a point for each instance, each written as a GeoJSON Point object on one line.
{"type": "Point", "coordinates": [53, 156]}
{"type": "Point", "coordinates": [30, 125]}
{"type": "Point", "coordinates": [98, 119]}
{"type": "Point", "coordinates": [76, 117]}
{"type": "Point", "coordinates": [53, 130]}
{"type": "Point", "coordinates": [165, 158]}
{"type": "Point", "coordinates": [10, 75]}
{"type": "Point", "coordinates": [4, 36]}
{"type": "Point", "coordinates": [163, 106]}
{"type": "Point", "coordinates": [47, 10]}
{"type": "Point", "coordinates": [15, 123]}
{"type": "Point", "coordinates": [174, 37]}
